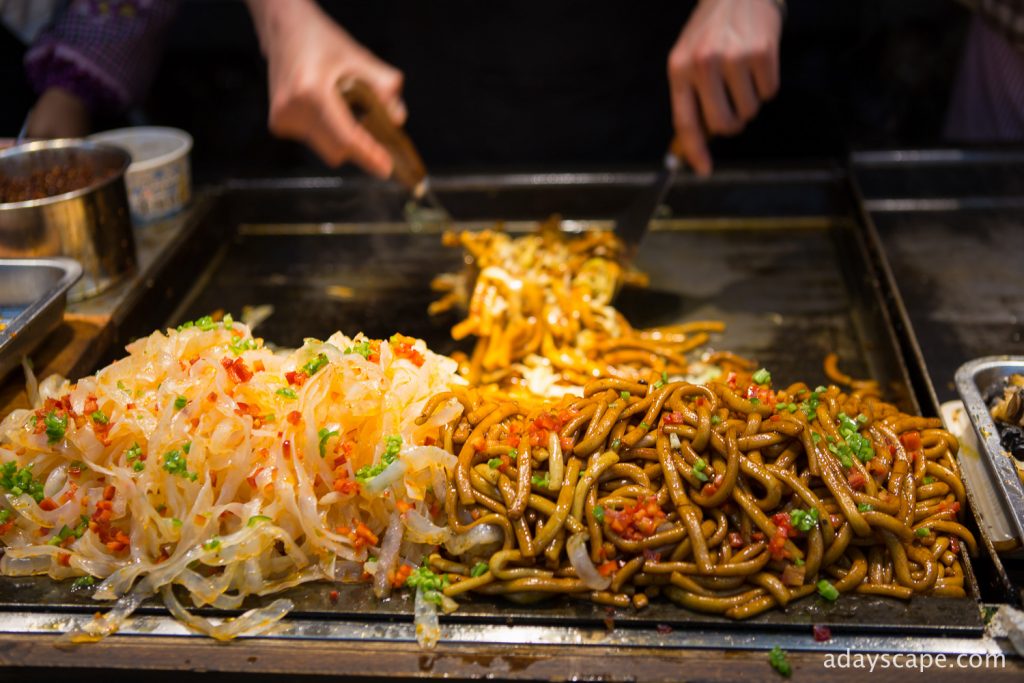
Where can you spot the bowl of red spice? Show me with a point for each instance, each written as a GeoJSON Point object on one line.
{"type": "Point", "coordinates": [68, 198]}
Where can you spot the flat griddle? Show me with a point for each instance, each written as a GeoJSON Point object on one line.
{"type": "Point", "coordinates": [779, 257]}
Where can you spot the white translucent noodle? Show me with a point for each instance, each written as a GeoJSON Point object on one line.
{"type": "Point", "coordinates": [205, 460]}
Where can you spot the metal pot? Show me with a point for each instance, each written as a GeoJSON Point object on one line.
{"type": "Point", "coordinates": [90, 224]}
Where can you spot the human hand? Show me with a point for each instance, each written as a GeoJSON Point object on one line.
{"type": "Point", "coordinates": [308, 55]}
{"type": "Point", "coordinates": [726, 61]}
{"type": "Point", "coordinates": [58, 114]}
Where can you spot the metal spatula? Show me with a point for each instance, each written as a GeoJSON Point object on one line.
{"type": "Point", "coordinates": [408, 170]}
{"type": "Point", "coordinates": [631, 225]}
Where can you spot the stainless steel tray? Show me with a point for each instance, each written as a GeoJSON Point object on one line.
{"type": "Point", "coordinates": [973, 379]}
{"type": "Point", "coordinates": [32, 297]}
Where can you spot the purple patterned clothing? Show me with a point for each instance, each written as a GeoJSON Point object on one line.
{"type": "Point", "coordinates": [103, 51]}
{"type": "Point", "coordinates": [988, 97]}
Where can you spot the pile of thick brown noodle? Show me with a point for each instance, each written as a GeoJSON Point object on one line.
{"type": "Point", "coordinates": [645, 486]}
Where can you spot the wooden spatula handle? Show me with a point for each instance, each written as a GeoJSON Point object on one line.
{"type": "Point", "coordinates": [369, 111]}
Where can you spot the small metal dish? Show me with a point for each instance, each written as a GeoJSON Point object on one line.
{"type": "Point", "coordinates": [32, 297]}
{"type": "Point", "coordinates": [90, 224]}
{"type": "Point", "coordinates": [973, 379]}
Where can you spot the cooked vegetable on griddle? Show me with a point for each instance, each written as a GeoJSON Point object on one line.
{"type": "Point", "coordinates": [1007, 409]}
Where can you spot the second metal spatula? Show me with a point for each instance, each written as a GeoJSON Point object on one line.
{"type": "Point", "coordinates": [631, 225]}
{"type": "Point", "coordinates": [408, 170]}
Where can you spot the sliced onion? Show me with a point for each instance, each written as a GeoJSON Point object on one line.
{"type": "Point", "coordinates": [579, 558]}
{"type": "Point", "coordinates": [422, 530]}
{"type": "Point", "coordinates": [477, 537]}
{"type": "Point", "coordinates": [391, 474]}
{"type": "Point", "coordinates": [251, 623]}
{"type": "Point", "coordinates": [31, 383]}
{"type": "Point", "coordinates": [387, 561]}
{"type": "Point", "coordinates": [428, 630]}
{"type": "Point", "coordinates": [348, 571]}
{"type": "Point", "coordinates": [674, 442]}
{"type": "Point", "coordinates": [556, 464]}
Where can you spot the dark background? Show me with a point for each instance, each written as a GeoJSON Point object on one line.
{"type": "Point", "coordinates": [566, 84]}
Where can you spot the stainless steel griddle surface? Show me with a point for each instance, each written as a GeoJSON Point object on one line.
{"type": "Point", "coordinates": [779, 258]}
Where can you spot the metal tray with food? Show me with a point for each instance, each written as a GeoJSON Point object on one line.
{"type": "Point", "coordinates": [32, 297]}
{"type": "Point", "coordinates": [986, 387]}
{"type": "Point", "coordinates": [779, 258]}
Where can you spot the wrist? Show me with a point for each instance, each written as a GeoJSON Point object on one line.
{"type": "Point", "coordinates": [272, 17]}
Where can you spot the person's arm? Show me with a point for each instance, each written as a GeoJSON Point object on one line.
{"type": "Point", "coordinates": [93, 58]}
{"type": "Point", "coordinates": [308, 55]}
{"type": "Point", "coordinates": [723, 67]}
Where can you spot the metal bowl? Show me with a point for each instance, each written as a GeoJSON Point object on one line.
{"type": "Point", "coordinates": [90, 224]}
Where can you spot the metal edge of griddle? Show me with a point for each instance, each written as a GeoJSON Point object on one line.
{"type": "Point", "coordinates": [918, 369]}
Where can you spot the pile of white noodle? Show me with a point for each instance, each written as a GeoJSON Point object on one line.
{"type": "Point", "coordinates": [207, 461]}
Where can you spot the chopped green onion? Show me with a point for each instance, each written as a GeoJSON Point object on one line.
{"type": "Point", "coordinates": [257, 519]}
{"type": "Point", "coordinates": [314, 366]}
{"type": "Point", "coordinates": [362, 348]}
{"type": "Point", "coordinates": [599, 514]}
{"type": "Point", "coordinates": [100, 417]}
{"type": "Point", "coordinates": [175, 463]}
{"type": "Point", "coordinates": [921, 532]}
{"type": "Point", "coordinates": [644, 425]}
{"type": "Point", "coordinates": [20, 481]}
{"type": "Point", "coordinates": [804, 520]}
{"type": "Point", "coordinates": [287, 393]}
{"type": "Point", "coordinates": [212, 544]}
{"type": "Point", "coordinates": [180, 402]}
{"type": "Point", "coordinates": [133, 452]}
{"type": "Point", "coordinates": [827, 590]}
{"type": "Point", "coordinates": [325, 434]}
{"type": "Point", "coordinates": [240, 344]}
{"type": "Point", "coordinates": [540, 482]}
{"type": "Point", "coordinates": [700, 475]}
{"type": "Point", "coordinates": [928, 480]}
{"type": "Point", "coordinates": [187, 447]}
{"type": "Point", "coordinates": [864, 507]}
{"type": "Point", "coordinates": [777, 658]}
{"type": "Point", "coordinates": [762, 376]}
{"type": "Point", "coordinates": [624, 395]}
{"type": "Point", "coordinates": [56, 427]}
{"type": "Point", "coordinates": [494, 463]}
{"type": "Point", "coordinates": [479, 569]}
{"type": "Point", "coordinates": [83, 582]}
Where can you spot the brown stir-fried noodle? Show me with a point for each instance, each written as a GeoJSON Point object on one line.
{"type": "Point", "coordinates": [620, 473]}
{"type": "Point", "coordinates": [728, 497]}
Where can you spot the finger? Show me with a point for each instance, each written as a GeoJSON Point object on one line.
{"type": "Point", "coordinates": [718, 114]}
{"type": "Point", "coordinates": [340, 137]}
{"type": "Point", "coordinates": [387, 84]}
{"type": "Point", "coordinates": [765, 69]}
{"type": "Point", "coordinates": [741, 90]}
{"type": "Point", "coordinates": [689, 133]}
